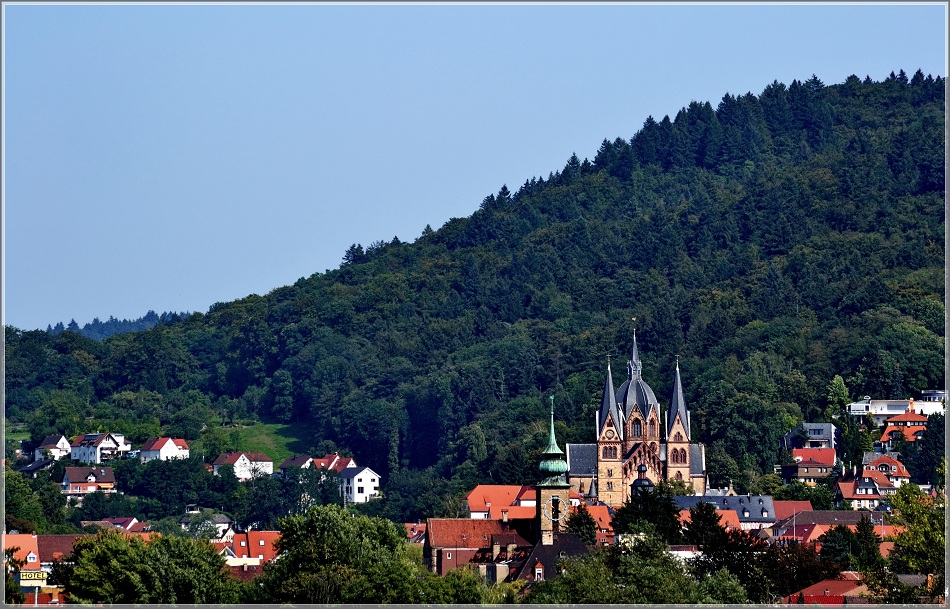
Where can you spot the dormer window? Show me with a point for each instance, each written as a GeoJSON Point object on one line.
{"type": "Point", "coordinates": [745, 513]}
{"type": "Point", "coordinates": [765, 513]}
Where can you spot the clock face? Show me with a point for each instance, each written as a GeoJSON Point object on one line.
{"type": "Point", "coordinates": [554, 508]}
{"type": "Point", "coordinates": [610, 434]}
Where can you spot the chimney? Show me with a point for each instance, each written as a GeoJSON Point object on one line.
{"type": "Point", "coordinates": [510, 548]}
{"type": "Point", "coordinates": [504, 516]}
{"type": "Point", "coordinates": [495, 550]}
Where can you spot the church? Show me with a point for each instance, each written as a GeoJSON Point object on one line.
{"type": "Point", "coordinates": [633, 431]}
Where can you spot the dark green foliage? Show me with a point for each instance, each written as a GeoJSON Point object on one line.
{"type": "Point", "coordinates": [582, 524]}
{"type": "Point", "coordinates": [770, 241]}
{"type": "Point", "coordinates": [655, 508]}
{"type": "Point", "coordinates": [641, 571]}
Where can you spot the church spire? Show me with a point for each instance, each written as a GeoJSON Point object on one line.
{"type": "Point", "coordinates": [553, 467]}
{"type": "Point", "coordinates": [635, 368]}
{"type": "Point", "coordinates": [678, 404]}
{"type": "Point", "coordinates": [608, 406]}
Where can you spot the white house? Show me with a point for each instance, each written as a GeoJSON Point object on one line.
{"type": "Point", "coordinates": [98, 447]}
{"type": "Point", "coordinates": [56, 446]}
{"type": "Point", "coordinates": [164, 449]}
{"type": "Point", "coordinates": [246, 465]}
{"type": "Point", "coordinates": [931, 402]}
{"type": "Point", "coordinates": [359, 484]}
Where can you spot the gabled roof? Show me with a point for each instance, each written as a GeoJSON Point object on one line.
{"type": "Point", "coordinates": [296, 461]}
{"type": "Point", "coordinates": [601, 515]}
{"type": "Point", "coordinates": [230, 458]}
{"type": "Point", "coordinates": [898, 469]}
{"type": "Point", "coordinates": [103, 474]}
{"type": "Point", "coordinates": [565, 545]}
{"type": "Point", "coordinates": [415, 532]}
{"type": "Point", "coordinates": [829, 517]}
{"type": "Point", "coordinates": [486, 496]}
{"type": "Point", "coordinates": [159, 443]}
{"type": "Point", "coordinates": [824, 456]}
{"type": "Point", "coordinates": [333, 461]}
{"type": "Point", "coordinates": [123, 522]}
{"type": "Point", "coordinates": [52, 441]}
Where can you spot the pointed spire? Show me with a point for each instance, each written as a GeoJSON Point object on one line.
{"type": "Point", "coordinates": [608, 405]}
{"type": "Point", "coordinates": [635, 366]}
{"type": "Point", "coordinates": [678, 404]}
{"type": "Point", "coordinates": [553, 466]}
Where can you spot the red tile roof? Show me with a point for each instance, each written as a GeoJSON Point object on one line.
{"type": "Point", "coordinates": [158, 443]}
{"type": "Point", "coordinates": [909, 432]}
{"type": "Point", "coordinates": [727, 518]}
{"type": "Point", "coordinates": [786, 508]}
{"type": "Point", "coordinates": [898, 469]}
{"type": "Point", "coordinates": [486, 496]}
{"type": "Point", "coordinates": [56, 547]}
{"type": "Point", "coordinates": [415, 532]}
{"type": "Point", "coordinates": [256, 544]}
{"type": "Point", "coordinates": [908, 417]}
{"type": "Point", "coordinates": [465, 532]}
{"type": "Point", "coordinates": [26, 544]}
{"type": "Point", "coordinates": [824, 456]}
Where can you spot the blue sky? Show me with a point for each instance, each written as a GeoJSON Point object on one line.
{"type": "Point", "coordinates": [170, 156]}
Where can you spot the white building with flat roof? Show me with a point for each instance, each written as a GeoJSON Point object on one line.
{"type": "Point", "coordinates": [932, 402]}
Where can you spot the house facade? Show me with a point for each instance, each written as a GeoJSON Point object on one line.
{"type": "Point", "coordinates": [52, 447]}
{"type": "Point", "coordinates": [909, 426]}
{"type": "Point", "coordinates": [359, 484]}
{"type": "Point", "coordinates": [881, 411]}
{"type": "Point", "coordinates": [98, 447]}
{"type": "Point", "coordinates": [164, 449]}
{"type": "Point", "coordinates": [78, 481]}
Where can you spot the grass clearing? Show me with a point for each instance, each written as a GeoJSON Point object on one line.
{"type": "Point", "coordinates": [276, 440]}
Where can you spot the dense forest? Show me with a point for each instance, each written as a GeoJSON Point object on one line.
{"type": "Point", "coordinates": [771, 242]}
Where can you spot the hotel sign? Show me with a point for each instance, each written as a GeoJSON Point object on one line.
{"type": "Point", "coordinates": [35, 578]}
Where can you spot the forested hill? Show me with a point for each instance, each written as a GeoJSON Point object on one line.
{"type": "Point", "coordinates": [771, 241]}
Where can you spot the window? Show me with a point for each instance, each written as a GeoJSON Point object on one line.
{"type": "Point", "coordinates": [652, 429]}
{"type": "Point", "coordinates": [243, 543]}
{"type": "Point", "coordinates": [448, 555]}
{"type": "Point", "coordinates": [636, 429]}
{"type": "Point", "coordinates": [372, 479]}
{"type": "Point", "coordinates": [610, 452]}
{"type": "Point", "coordinates": [261, 556]}
{"type": "Point", "coordinates": [682, 455]}
{"type": "Point", "coordinates": [675, 456]}
{"type": "Point", "coordinates": [359, 490]}
{"type": "Point", "coordinates": [679, 475]}
{"type": "Point", "coordinates": [539, 574]}
{"type": "Point", "coordinates": [677, 437]}
{"type": "Point", "coordinates": [610, 486]}
{"type": "Point", "coordinates": [610, 473]}
{"type": "Point", "coordinates": [262, 542]}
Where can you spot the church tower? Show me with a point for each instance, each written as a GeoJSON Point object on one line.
{"type": "Point", "coordinates": [610, 448]}
{"type": "Point", "coordinates": [553, 491]}
{"type": "Point", "coordinates": [678, 434]}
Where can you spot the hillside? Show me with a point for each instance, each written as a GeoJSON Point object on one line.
{"type": "Point", "coordinates": [771, 242]}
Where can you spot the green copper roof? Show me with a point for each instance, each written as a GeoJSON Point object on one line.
{"type": "Point", "coordinates": [553, 465]}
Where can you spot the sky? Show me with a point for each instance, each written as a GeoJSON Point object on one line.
{"type": "Point", "coordinates": [168, 157]}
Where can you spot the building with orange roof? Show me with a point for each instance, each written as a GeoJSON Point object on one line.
{"type": "Point", "coordinates": [863, 490]}
{"type": "Point", "coordinates": [895, 471]}
{"type": "Point", "coordinates": [260, 545]}
{"type": "Point", "coordinates": [604, 519]}
{"type": "Point", "coordinates": [334, 461]}
{"type": "Point", "coordinates": [826, 456]}
{"type": "Point", "coordinates": [415, 532]}
{"type": "Point", "coordinates": [787, 508]}
{"type": "Point", "coordinates": [849, 585]}
{"type": "Point", "coordinates": [163, 449]}
{"type": "Point", "coordinates": [807, 471]}
{"type": "Point", "coordinates": [728, 519]}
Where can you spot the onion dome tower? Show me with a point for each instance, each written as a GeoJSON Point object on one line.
{"type": "Point", "coordinates": [553, 491]}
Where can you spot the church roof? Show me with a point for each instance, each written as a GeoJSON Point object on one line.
{"type": "Point", "coordinates": [582, 459]}
{"type": "Point", "coordinates": [634, 392]}
{"type": "Point", "coordinates": [608, 406]}
{"type": "Point", "coordinates": [677, 405]}
{"type": "Point", "coordinates": [697, 459]}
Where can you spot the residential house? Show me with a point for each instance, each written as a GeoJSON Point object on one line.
{"type": "Point", "coordinates": [753, 511]}
{"type": "Point", "coordinates": [864, 489]}
{"type": "Point", "coordinates": [163, 449]}
{"type": "Point", "coordinates": [36, 467]}
{"type": "Point", "coordinates": [258, 545]}
{"type": "Point", "coordinates": [809, 526]}
{"type": "Point", "coordinates": [453, 542]}
{"type": "Point", "coordinates": [78, 481]}
{"type": "Point", "coordinates": [52, 447]}
{"type": "Point", "coordinates": [98, 447]}
{"type": "Point", "coordinates": [728, 519]}
{"type": "Point", "coordinates": [500, 501]}
{"type": "Point", "coordinates": [910, 426]}
{"type": "Point", "coordinates": [603, 516]}
{"type": "Point", "coordinates": [246, 465]}
{"type": "Point", "coordinates": [847, 589]}
{"type": "Point", "coordinates": [809, 465]}
{"type": "Point", "coordinates": [359, 484]}
{"type": "Point", "coordinates": [812, 435]}
{"type": "Point", "coordinates": [788, 508]}
{"type": "Point", "coordinates": [889, 465]}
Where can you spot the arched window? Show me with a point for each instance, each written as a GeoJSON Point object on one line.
{"type": "Point", "coordinates": [652, 429]}
{"type": "Point", "coordinates": [679, 475]}
{"type": "Point", "coordinates": [636, 429]}
{"type": "Point", "coordinates": [677, 437]}
{"type": "Point", "coordinates": [610, 452]}
{"type": "Point", "coordinates": [682, 455]}
{"type": "Point", "coordinates": [674, 456]}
